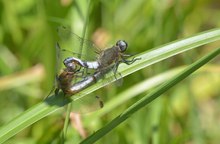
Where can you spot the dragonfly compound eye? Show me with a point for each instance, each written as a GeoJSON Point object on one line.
{"type": "Point", "coordinates": [122, 45]}
{"type": "Point", "coordinates": [71, 67]}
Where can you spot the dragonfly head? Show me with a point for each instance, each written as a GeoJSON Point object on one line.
{"type": "Point", "coordinates": [71, 66]}
{"type": "Point", "coordinates": [122, 45]}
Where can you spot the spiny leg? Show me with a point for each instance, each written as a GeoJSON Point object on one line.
{"type": "Point", "coordinates": [115, 68]}
{"type": "Point", "coordinates": [115, 71]}
{"type": "Point", "coordinates": [129, 62]}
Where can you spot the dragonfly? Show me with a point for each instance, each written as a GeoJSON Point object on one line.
{"type": "Point", "coordinates": [70, 73]}
{"type": "Point", "coordinates": [104, 59]}
{"type": "Point", "coordinates": [67, 81]}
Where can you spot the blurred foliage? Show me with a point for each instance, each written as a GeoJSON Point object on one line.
{"type": "Point", "coordinates": [188, 114]}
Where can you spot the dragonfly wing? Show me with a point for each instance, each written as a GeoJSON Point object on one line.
{"type": "Point", "coordinates": [57, 69]}
{"type": "Point", "coordinates": [87, 104]}
{"type": "Point", "coordinates": [76, 46]}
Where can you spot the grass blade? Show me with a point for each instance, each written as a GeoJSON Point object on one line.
{"type": "Point", "coordinates": [150, 97]}
{"type": "Point", "coordinates": [52, 104]}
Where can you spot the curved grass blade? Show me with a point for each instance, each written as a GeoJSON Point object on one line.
{"type": "Point", "coordinates": [150, 97]}
{"type": "Point", "coordinates": [144, 86]}
{"type": "Point", "coordinates": [159, 54]}
{"type": "Point", "coordinates": [52, 104]}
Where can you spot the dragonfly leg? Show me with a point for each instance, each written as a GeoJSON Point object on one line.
{"type": "Point", "coordinates": [118, 79]}
{"type": "Point", "coordinates": [79, 74]}
{"type": "Point", "coordinates": [126, 55]}
{"type": "Point", "coordinates": [129, 62]}
{"type": "Point", "coordinates": [115, 67]}
{"type": "Point", "coordinates": [115, 70]}
{"type": "Point", "coordinates": [84, 73]}
{"type": "Point", "coordinates": [52, 89]}
{"type": "Point", "coordinates": [57, 91]}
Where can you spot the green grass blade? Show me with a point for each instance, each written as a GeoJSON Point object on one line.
{"type": "Point", "coordinates": [31, 115]}
{"type": "Point", "coordinates": [151, 96]}
{"type": "Point", "coordinates": [52, 104]}
{"type": "Point", "coordinates": [161, 53]}
{"type": "Point", "coordinates": [171, 49]}
{"type": "Point", "coordinates": [69, 107]}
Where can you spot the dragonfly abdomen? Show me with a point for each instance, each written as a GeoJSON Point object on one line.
{"type": "Point", "coordinates": [79, 86]}
{"type": "Point", "coordinates": [92, 65]}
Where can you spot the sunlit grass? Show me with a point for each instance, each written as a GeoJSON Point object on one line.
{"type": "Point", "coordinates": [28, 35]}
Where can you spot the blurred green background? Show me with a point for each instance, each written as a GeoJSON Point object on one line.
{"type": "Point", "coordinates": [189, 113]}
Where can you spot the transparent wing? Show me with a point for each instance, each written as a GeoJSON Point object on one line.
{"type": "Point", "coordinates": [57, 67]}
{"type": "Point", "coordinates": [87, 104]}
{"type": "Point", "coordinates": [58, 62]}
{"type": "Point", "coordinates": [77, 46]}
{"type": "Point", "coordinates": [116, 75]}
{"type": "Point", "coordinates": [59, 58]}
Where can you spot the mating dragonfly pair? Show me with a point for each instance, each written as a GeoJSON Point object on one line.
{"type": "Point", "coordinates": [77, 67]}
